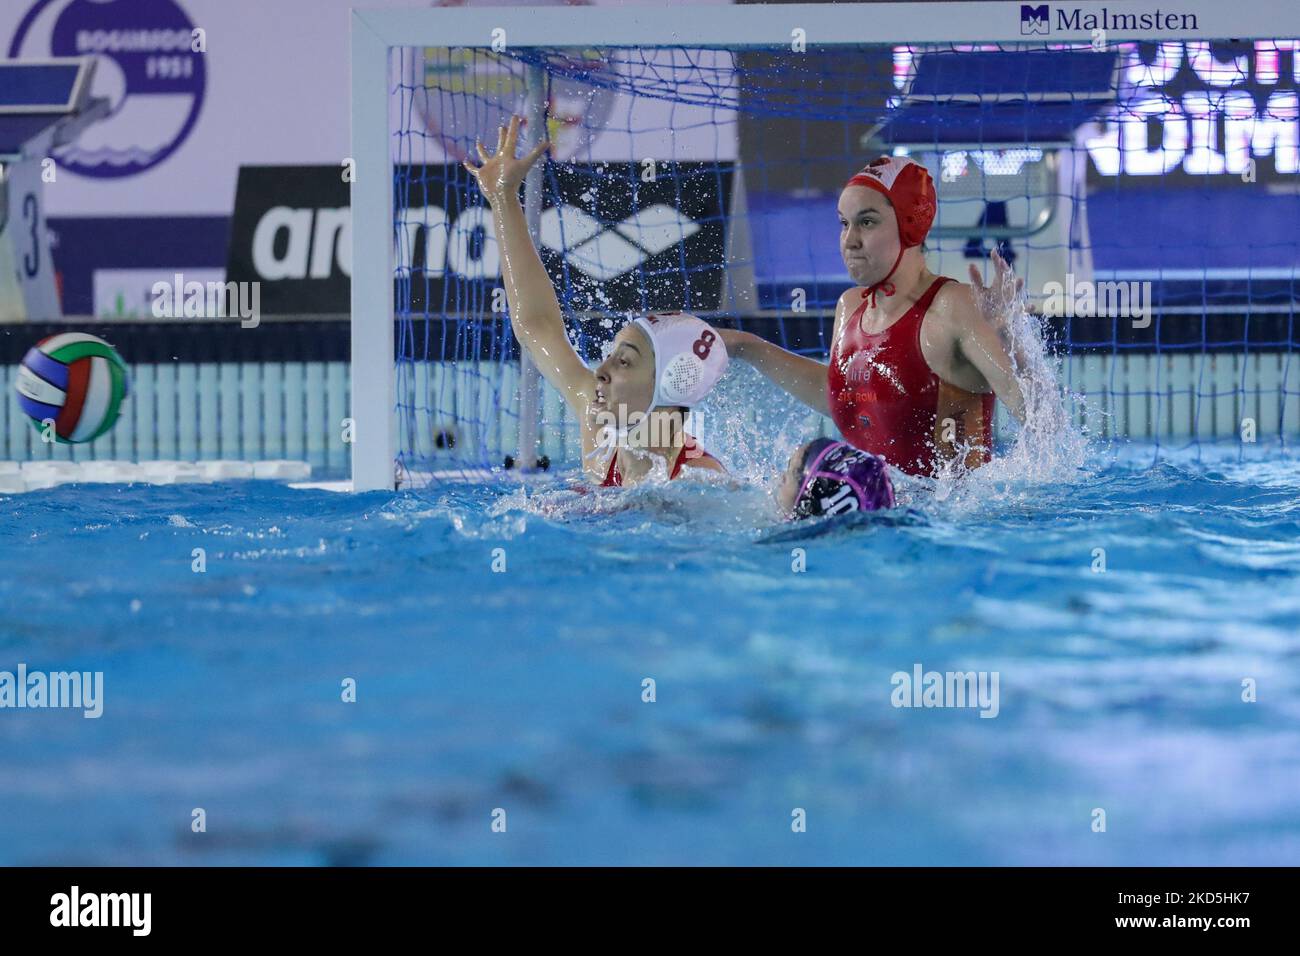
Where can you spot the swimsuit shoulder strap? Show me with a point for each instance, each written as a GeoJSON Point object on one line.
{"type": "Point", "coordinates": [612, 478]}
{"type": "Point", "coordinates": [680, 463]}
{"type": "Point", "coordinates": [927, 297]}
{"type": "Point", "coordinates": [914, 316]}
{"type": "Point", "coordinates": [853, 325]}
{"type": "Point", "coordinates": [855, 319]}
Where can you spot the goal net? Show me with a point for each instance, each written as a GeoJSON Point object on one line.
{"type": "Point", "coordinates": [1141, 177]}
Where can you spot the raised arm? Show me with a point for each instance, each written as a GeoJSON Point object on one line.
{"type": "Point", "coordinates": [978, 342]}
{"type": "Point", "coordinates": [534, 309]}
{"type": "Point", "coordinates": [996, 302]}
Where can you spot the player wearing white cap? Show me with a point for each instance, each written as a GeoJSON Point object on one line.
{"type": "Point", "coordinates": [660, 365]}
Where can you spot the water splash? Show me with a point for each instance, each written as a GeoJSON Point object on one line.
{"type": "Point", "coordinates": [706, 502]}
{"type": "Point", "coordinates": [1048, 447]}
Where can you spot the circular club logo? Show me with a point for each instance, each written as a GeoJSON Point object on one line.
{"type": "Point", "coordinates": [145, 67]}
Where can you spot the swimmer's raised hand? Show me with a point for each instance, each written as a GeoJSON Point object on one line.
{"type": "Point", "coordinates": [500, 176]}
{"type": "Point", "coordinates": [997, 299]}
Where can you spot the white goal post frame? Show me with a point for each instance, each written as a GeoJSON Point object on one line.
{"type": "Point", "coordinates": [376, 32]}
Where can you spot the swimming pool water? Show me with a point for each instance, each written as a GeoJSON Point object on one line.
{"type": "Point", "coordinates": [522, 689]}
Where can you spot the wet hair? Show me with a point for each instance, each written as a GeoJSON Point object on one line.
{"type": "Point", "coordinates": [808, 504]}
{"type": "Point", "coordinates": [811, 451]}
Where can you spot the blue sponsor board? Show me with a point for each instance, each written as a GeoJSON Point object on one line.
{"type": "Point", "coordinates": [1207, 246]}
{"type": "Point", "coordinates": [1211, 246]}
{"type": "Point", "coordinates": [86, 245]}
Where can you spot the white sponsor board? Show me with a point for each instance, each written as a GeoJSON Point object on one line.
{"type": "Point", "coordinates": [270, 87]}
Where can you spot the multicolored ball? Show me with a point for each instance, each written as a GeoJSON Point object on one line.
{"type": "Point", "coordinates": [75, 379]}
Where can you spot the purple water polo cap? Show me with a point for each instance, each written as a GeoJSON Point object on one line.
{"type": "Point", "coordinates": [839, 478]}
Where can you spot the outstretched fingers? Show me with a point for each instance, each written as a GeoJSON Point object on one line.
{"type": "Point", "coordinates": [509, 138]}
{"type": "Point", "coordinates": [1003, 269]}
{"type": "Point", "coordinates": [537, 151]}
{"type": "Point", "coordinates": [999, 265]}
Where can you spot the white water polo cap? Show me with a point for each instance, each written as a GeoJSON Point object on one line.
{"type": "Point", "coordinates": [689, 356]}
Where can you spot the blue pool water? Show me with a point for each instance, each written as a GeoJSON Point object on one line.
{"type": "Point", "coordinates": [522, 690]}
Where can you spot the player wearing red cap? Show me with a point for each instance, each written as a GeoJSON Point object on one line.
{"type": "Point", "coordinates": [916, 359]}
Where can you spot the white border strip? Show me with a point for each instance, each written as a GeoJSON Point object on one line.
{"type": "Point", "coordinates": [823, 23]}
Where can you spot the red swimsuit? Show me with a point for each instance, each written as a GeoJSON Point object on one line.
{"type": "Point", "coordinates": [886, 400]}
{"type": "Point", "coordinates": [615, 480]}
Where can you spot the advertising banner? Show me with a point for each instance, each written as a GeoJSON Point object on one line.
{"type": "Point", "coordinates": [612, 239]}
